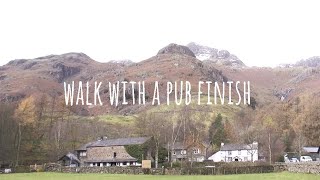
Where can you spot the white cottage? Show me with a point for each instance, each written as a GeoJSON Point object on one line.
{"type": "Point", "coordinates": [236, 152]}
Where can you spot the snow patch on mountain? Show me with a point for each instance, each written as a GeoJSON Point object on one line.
{"type": "Point", "coordinates": [219, 57]}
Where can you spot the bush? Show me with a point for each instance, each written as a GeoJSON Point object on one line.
{"type": "Point", "coordinates": [21, 169]}
{"type": "Point", "coordinates": [176, 165]}
{"type": "Point", "coordinates": [41, 169]}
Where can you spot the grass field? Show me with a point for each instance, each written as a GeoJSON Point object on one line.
{"type": "Point", "coordinates": [117, 119]}
{"type": "Point", "coordinates": [62, 176]}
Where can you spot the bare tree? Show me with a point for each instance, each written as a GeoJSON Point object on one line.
{"type": "Point", "coordinates": [155, 126]}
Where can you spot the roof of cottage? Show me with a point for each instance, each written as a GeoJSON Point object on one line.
{"type": "Point", "coordinates": [311, 149]}
{"type": "Point", "coordinates": [232, 147]}
{"type": "Point", "coordinates": [179, 145]}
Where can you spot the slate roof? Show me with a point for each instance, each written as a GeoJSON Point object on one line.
{"type": "Point", "coordinates": [233, 147]}
{"type": "Point", "coordinates": [115, 142]}
{"type": "Point", "coordinates": [84, 147]}
{"type": "Point", "coordinates": [311, 149]}
{"type": "Point", "coordinates": [180, 146]}
{"type": "Point", "coordinates": [71, 157]}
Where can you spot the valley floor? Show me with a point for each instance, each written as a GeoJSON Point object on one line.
{"type": "Point", "coordinates": [62, 176]}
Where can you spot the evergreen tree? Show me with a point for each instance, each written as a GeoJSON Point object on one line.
{"type": "Point", "coordinates": [217, 132]}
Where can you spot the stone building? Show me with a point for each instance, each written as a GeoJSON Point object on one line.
{"type": "Point", "coordinates": [70, 160]}
{"type": "Point", "coordinates": [196, 152]}
{"type": "Point", "coordinates": [109, 152]}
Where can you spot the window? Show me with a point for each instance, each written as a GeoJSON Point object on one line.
{"type": "Point", "coordinates": [83, 154]}
{"type": "Point", "coordinates": [196, 151]}
{"type": "Point", "coordinates": [114, 155]}
{"type": "Point", "coordinates": [229, 159]}
{"type": "Point", "coordinates": [245, 158]}
{"type": "Point", "coordinates": [229, 152]}
{"type": "Point", "coordinates": [239, 152]}
{"type": "Point", "coordinates": [183, 152]}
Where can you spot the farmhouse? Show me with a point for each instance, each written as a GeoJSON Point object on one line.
{"type": "Point", "coordinates": [196, 152]}
{"type": "Point", "coordinates": [236, 152]}
{"type": "Point", "coordinates": [107, 152]}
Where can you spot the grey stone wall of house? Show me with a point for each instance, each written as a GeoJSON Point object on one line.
{"type": "Point", "coordinates": [98, 153]}
{"type": "Point", "coordinates": [104, 154]}
{"type": "Point", "coordinates": [190, 155]}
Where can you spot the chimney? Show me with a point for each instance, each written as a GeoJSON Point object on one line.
{"type": "Point", "coordinates": [255, 144]}
{"type": "Point", "coordinates": [222, 144]}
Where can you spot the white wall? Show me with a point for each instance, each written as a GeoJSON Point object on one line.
{"type": "Point", "coordinates": [216, 157]}
{"type": "Point", "coordinates": [243, 156]}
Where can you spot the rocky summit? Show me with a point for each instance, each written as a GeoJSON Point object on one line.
{"type": "Point", "coordinates": [310, 62]}
{"type": "Point", "coordinates": [176, 49]}
{"type": "Point", "coordinates": [213, 55]}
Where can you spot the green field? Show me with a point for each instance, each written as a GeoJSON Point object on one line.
{"type": "Point", "coordinates": [52, 176]}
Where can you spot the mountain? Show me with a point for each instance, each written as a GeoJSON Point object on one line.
{"type": "Point", "coordinates": [215, 56]}
{"type": "Point", "coordinates": [284, 96]}
{"type": "Point", "coordinates": [45, 75]}
{"type": "Point", "coordinates": [310, 62]}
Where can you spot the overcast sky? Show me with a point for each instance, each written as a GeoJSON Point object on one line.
{"type": "Point", "coordinates": [260, 33]}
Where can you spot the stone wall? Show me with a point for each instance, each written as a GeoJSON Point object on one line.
{"type": "Point", "coordinates": [304, 167]}
{"type": "Point", "coordinates": [162, 171]}
{"type": "Point", "coordinates": [107, 170]}
{"type": "Point", "coordinates": [279, 167]}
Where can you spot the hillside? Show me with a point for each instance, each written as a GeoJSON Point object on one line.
{"type": "Point", "coordinates": [283, 94]}
{"type": "Point", "coordinates": [268, 84]}
{"type": "Point", "coordinates": [45, 75]}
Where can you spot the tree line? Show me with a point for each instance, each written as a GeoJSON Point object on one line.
{"type": "Point", "coordinates": [40, 128]}
{"type": "Point", "coordinates": [277, 127]}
